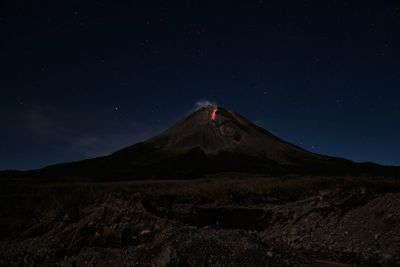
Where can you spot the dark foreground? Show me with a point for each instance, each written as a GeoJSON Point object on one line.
{"type": "Point", "coordinates": [219, 221]}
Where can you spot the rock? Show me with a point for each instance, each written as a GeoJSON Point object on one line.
{"type": "Point", "coordinates": [96, 235]}
{"type": "Point", "coordinates": [145, 232]}
{"type": "Point", "coordinates": [109, 234]}
{"type": "Point", "coordinates": [387, 257]}
{"type": "Point", "coordinates": [168, 257]}
{"type": "Point", "coordinates": [67, 217]}
{"type": "Point", "coordinates": [26, 259]}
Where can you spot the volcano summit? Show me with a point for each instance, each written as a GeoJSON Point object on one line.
{"type": "Point", "coordinates": [216, 130]}
{"type": "Point", "coordinates": [210, 140]}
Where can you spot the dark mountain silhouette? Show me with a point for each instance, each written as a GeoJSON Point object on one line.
{"type": "Point", "coordinates": [210, 140]}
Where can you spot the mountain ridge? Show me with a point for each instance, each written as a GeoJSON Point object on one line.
{"type": "Point", "coordinates": [209, 140]}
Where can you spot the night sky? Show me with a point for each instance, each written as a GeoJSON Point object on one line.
{"type": "Point", "coordinates": [88, 78]}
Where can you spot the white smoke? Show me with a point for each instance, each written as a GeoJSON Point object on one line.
{"type": "Point", "coordinates": [204, 103]}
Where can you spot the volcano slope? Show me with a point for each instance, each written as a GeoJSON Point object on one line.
{"type": "Point", "coordinates": [210, 140]}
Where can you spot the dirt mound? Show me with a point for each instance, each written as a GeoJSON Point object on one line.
{"type": "Point", "coordinates": [355, 228]}
{"type": "Point", "coordinates": [109, 223]}
{"type": "Point", "coordinates": [119, 231]}
{"type": "Point", "coordinates": [332, 228]}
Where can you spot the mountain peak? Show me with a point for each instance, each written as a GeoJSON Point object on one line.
{"type": "Point", "coordinates": [214, 115]}
{"type": "Point", "coordinates": [214, 130]}
{"type": "Point", "coordinates": [207, 113]}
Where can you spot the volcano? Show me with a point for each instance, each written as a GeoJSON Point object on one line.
{"type": "Point", "coordinates": [215, 130]}
{"type": "Point", "coordinates": [210, 140]}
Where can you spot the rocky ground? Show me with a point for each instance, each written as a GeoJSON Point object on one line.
{"type": "Point", "coordinates": [331, 228]}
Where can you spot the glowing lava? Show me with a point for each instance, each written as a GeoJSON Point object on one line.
{"type": "Point", "coordinates": [213, 113]}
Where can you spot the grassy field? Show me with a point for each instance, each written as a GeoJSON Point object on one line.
{"type": "Point", "coordinates": [22, 202]}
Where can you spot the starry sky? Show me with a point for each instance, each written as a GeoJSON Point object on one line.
{"type": "Point", "coordinates": [87, 78]}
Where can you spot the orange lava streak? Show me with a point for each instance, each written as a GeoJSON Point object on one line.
{"type": "Point", "coordinates": [213, 113]}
